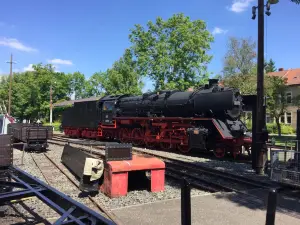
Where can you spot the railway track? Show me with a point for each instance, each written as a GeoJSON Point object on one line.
{"type": "Point", "coordinates": [56, 177]}
{"type": "Point", "coordinates": [200, 177]}
{"type": "Point", "coordinates": [211, 180]}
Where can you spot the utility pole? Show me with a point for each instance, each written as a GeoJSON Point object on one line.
{"type": "Point", "coordinates": [10, 83]}
{"type": "Point", "coordinates": [50, 104]}
{"type": "Point", "coordinates": [261, 135]}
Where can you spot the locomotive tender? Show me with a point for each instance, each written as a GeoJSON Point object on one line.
{"type": "Point", "coordinates": [205, 119]}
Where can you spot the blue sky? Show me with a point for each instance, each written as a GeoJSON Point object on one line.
{"type": "Point", "coordinates": [88, 36]}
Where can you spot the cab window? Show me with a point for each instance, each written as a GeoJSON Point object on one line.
{"type": "Point", "coordinates": [108, 106]}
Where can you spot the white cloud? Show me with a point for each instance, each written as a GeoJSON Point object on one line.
{"type": "Point", "coordinates": [14, 43]}
{"type": "Point", "coordinates": [60, 61]}
{"type": "Point", "coordinates": [28, 68]}
{"type": "Point", "coordinates": [218, 30]}
{"type": "Point", "coordinates": [240, 5]}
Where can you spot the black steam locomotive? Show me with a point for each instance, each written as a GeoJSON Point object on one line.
{"type": "Point", "coordinates": [206, 119]}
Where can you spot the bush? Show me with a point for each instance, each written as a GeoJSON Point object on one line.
{"type": "Point", "coordinates": [285, 129]}
{"type": "Point", "coordinates": [272, 128]}
{"type": "Point", "coordinates": [56, 125]}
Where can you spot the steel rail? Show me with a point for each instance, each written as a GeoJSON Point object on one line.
{"type": "Point", "coordinates": [110, 214]}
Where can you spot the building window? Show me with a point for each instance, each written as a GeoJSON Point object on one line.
{"type": "Point", "coordinates": [289, 97]}
{"type": "Point", "coordinates": [288, 118]}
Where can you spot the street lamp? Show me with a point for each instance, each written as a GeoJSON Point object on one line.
{"type": "Point", "coordinates": [261, 135]}
{"type": "Point", "coordinates": [10, 83]}
{"type": "Point", "coordinates": [51, 102]}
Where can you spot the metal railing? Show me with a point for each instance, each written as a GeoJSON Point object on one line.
{"type": "Point", "coordinates": [186, 215]}
{"type": "Point", "coordinates": [285, 167]}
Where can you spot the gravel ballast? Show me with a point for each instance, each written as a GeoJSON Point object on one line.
{"type": "Point", "coordinates": [172, 189]}
{"type": "Point", "coordinates": [32, 208]}
{"type": "Point", "coordinates": [135, 197]}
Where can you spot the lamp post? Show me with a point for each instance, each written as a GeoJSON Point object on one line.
{"type": "Point", "coordinates": [51, 105]}
{"type": "Point", "coordinates": [261, 134]}
{"type": "Point", "coordinates": [10, 83]}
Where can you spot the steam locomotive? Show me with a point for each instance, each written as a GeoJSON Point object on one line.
{"type": "Point", "coordinates": [205, 119]}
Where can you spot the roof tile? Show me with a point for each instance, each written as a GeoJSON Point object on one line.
{"type": "Point", "coordinates": [292, 76]}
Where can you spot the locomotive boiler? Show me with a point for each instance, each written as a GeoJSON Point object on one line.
{"type": "Point", "coordinates": [205, 119]}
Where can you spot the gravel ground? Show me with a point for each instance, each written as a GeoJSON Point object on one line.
{"type": "Point", "coordinates": [28, 209]}
{"type": "Point", "coordinates": [172, 189]}
{"type": "Point", "coordinates": [135, 197]}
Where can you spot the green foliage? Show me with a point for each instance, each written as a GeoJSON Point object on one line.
{"type": "Point", "coordinates": [274, 88]}
{"type": "Point", "coordinates": [240, 57]}
{"type": "Point", "coordinates": [78, 84]}
{"type": "Point", "coordinates": [31, 91]}
{"type": "Point", "coordinates": [123, 77]}
{"type": "Point", "coordinates": [55, 125]}
{"type": "Point", "coordinates": [238, 81]}
{"type": "Point", "coordinates": [285, 129]}
{"type": "Point", "coordinates": [272, 128]}
{"type": "Point", "coordinates": [270, 66]}
{"type": "Point", "coordinates": [172, 52]}
{"type": "Point", "coordinates": [277, 102]}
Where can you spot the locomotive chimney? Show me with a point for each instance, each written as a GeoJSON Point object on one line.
{"type": "Point", "coordinates": [213, 82]}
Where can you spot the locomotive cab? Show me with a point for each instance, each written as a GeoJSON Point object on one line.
{"type": "Point", "coordinates": [108, 112]}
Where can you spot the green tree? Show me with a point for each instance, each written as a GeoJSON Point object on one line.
{"type": "Point", "coordinates": [123, 77]}
{"type": "Point", "coordinates": [240, 56]}
{"type": "Point", "coordinates": [275, 90]}
{"type": "Point", "coordinates": [172, 52]}
{"type": "Point", "coordinates": [78, 84]}
{"type": "Point", "coordinates": [238, 81]}
{"type": "Point", "coordinates": [276, 102]}
{"type": "Point", "coordinates": [270, 66]}
{"type": "Point", "coordinates": [95, 85]}
{"type": "Point", "coordinates": [31, 91]}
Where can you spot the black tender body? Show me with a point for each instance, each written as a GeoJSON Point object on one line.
{"type": "Point", "coordinates": [82, 115]}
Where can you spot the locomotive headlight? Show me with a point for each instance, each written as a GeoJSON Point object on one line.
{"type": "Point", "coordinates": [237, 103]}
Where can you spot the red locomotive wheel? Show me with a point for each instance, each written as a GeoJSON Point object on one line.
{"type": "Point", "coordinates": [183, 148]}
{"type": "Point", "coordinates": [165, 145]}
{"type": "Point", "coordinates": [124, 135]}
{"type": "Point", "coordinates": [150, 144]}
{"type": "Point", "coordinates": [137, 136]}
{"type": "Point", "coordinates": [219, 152]}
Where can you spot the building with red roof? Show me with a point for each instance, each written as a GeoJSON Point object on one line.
{"type": "Point", "coordinates": [293, 81]}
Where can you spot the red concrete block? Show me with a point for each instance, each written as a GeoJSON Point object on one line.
{"type": "Point", "coordinates": [116, 174]}
{"type": "Point", "coordinates": [157, 180]}
{"type": "Point", "coordinates": [115, 184]}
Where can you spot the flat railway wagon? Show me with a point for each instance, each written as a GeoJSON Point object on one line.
{"type": "Point", "coordinates": [34, 135]}
{"type": "Point", "coordinates": [205, 119]}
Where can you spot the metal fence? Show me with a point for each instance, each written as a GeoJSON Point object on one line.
{"type": "Point", "coordinates": [285, 167]}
